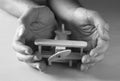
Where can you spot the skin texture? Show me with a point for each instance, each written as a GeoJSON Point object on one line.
{"type": "Point", "coordinates": [17, 7]}
{"type": "Point", "coordinates": [84, 24]}
{"type": "Point", "coordinates": [36, 23]}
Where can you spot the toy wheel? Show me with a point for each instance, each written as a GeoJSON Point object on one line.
{"type": "Point", "coordinates": [42, 66]}
{"type": "Point", "coordinates": [79, 66]}
{"type": "Point", "coordinates": [70, 63]}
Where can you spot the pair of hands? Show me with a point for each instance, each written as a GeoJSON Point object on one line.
{"type": "Point", "coordinates": [25, 53]}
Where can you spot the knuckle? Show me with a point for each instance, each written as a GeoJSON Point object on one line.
{"type": "Point", "coordinates": [85, 58]}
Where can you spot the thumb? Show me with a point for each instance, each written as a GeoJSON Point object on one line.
{"type": "Point", "coordinates": [93, 52]}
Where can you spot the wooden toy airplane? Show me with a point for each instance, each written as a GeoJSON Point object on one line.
{"type": "Point", "coordinates": [59, 52]}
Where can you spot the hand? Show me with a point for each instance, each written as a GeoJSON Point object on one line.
{"type": "Point", "coordinates": [101, 34]}
{"type": "Point", "coordinates": [24, 52]}
{"type": "Point", "coordinates": [96, 55]}
{"type": "Point", "coordinates": [25, 55]}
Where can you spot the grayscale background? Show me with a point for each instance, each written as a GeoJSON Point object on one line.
{"type": "Point", "coordinates": [109, 69]}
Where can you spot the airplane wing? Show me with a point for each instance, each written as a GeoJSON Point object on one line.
{"type": "Point", "coordinates": [62, 43]}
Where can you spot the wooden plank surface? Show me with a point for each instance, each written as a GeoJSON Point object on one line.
{"type": "Point", "coordinates": [66, 43]}
{"type": "Point", "coordinates": [72, 56]}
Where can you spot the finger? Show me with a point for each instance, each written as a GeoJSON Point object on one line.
{"type": "Point", "coordinates": [28, 51]}
{"type": "Point", "coordinates": [38, 56]}
{"type": "Point", "coordinates": [86, 67]}
{"type": "Point", "coordinates": [85, 59]}
{"type": "Point", "coordinates": [93, 53]}
{"type": "Point", "coordinates": [23, 49]}
{"type": "Point", "coordinates": [24, 58]}
{"type": "Point", "coordinates": [101, 48]}
{"type": "Point", "coordinates": [92, 59]}
{"type": "Point", "coordinates": [95, 59]}
{"type": "Point", "coordinates": [98, 58]}
{"type": "Point", "coordinates": [34, 65]}
{"type": "Point", "coordinates": [41, 66]}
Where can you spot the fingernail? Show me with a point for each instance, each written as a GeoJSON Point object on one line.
{"type": "Point", "coordinates": [38, 67]}
{"type": "Point", "coordinates": [35, 58]}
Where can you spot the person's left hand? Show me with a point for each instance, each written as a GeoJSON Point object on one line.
{"type": "Point", "coordinates": [101, 34]}
{"type": "Point", "coordinates": [96, 55]}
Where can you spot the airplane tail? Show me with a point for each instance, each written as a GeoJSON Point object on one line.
{"type": "Point", "coordinates": [58, 56]}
